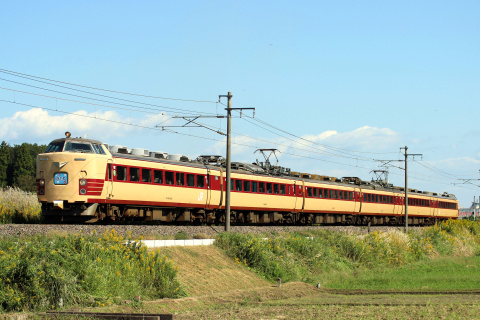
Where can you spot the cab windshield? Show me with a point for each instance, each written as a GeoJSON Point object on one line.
{"type": "Point", "coordinates": [75, 146]}
{"type": "Point", "coordinates": [78, 147]}
{"type": "Point", "coordinates": [55, 147]}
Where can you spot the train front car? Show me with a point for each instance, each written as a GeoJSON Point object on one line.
{"type": "Point", "coordinates": [71, 179]}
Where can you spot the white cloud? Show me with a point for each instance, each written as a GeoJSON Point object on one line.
{"type": "Point", "coordinates": [38, 123]}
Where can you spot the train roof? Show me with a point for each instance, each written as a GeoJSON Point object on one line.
{"type": "Point", "coordinates": [77, 140]}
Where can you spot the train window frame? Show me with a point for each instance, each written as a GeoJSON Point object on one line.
{"type": "Point", "coordinates": [315, 192]}
{"type": "Point", "coordinates": [238, 185]}
{"type": "Point", "coordinates": [309, 192]}
{"type": "Point", "coordinates": [340, 194]}
{"type": "Point", "coordinates": [156, 176]}
{"type": "Point", "coordinates": [350, 195]}
{"type": "Point", "coordinates": [283, 189]}
{"type": "Point", "coordinates": [124, 171]}
{"type": "Point", "coordinates": [261, 187]}
{"type": "Point", "coordinates": [180, 179]}
{"type": "Point", "coordinates": [246, 186]}
{"type": "Point", "coordinates": [276, 188]}
{"type": "Point", "coordinates": [146, 172]}
{"type": "Point", "coordinates": [170, 178]}
{"type": "Point", "coordinates": [134, 174]}
{"type": "Point", "coordinates": [320, 193]}
{"type": "Point", "coordinates": [190, 179]}
{"type": "Point", "coordinates": [254, 186]}
{"type": "Point", "coordinates": [200, 181]}
{"type": "Point", "coordinates": [269, 189]}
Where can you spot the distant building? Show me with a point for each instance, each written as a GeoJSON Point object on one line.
{"type": "Point", "coordinates": [473, 211]}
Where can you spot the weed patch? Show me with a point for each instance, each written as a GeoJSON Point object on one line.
{"type": "Point", "coordinates": [42, 273]}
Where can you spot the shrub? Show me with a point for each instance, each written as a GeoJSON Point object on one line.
{"type": "Point", "coordinates": [182, 235]}
{"type": "Point", "coordinates": [51, 272]}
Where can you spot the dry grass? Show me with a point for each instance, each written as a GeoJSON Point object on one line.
{"type": "Point", "coordinates": [205, 270]}
{"type": "Point", "coordinates": [18, 205]}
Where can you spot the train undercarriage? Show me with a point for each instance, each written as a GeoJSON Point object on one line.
{"type": "Point", "coordinates": [92, 213]}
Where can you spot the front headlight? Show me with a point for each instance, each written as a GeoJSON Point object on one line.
{"type": "Point", "coordinates": [41, 183]}
{"type": "Point", "coordinates": [83, 182]}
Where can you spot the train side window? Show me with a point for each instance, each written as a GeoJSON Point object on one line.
{"type": "Point", "coordinates": [365, 197]}
{"type": "Point", "coordinates": [121, 173]}
{"type": "Point", "coordinates": [309, 192]}
{"type": "Point", "coordinates": [282, 189]}
{"type": "Point", "coordinates": [276, 189]}
{"type": "Point", "coordinates": [246, 186]}
{"type": "Point", "coordinates": [350, 195]}
{"type": "Point", "coordinates": [269, 188]}
{"type": "Point", "coordinates": [200, 181]}
{"type": "Point", "coordinates": [190, 180]}
{"type": "Point", "coordinates": [340, 193]}
{"type": "Point", "coordinates": [134, 174]}
{"type": "Point", "coordinates": [146, 175]}
{"type": "Point", "coordinates": [384, 199]}
{"type": "Point", "coordinates": [157, 176]}
{"type": "Point", "coordinates": [180, 178]}
{"type": "Point", "coordinates": [254, 186]}
{"type": "Point", "coordinates": [315, 192]}
{"type": "Point", "coordinates": [238, 185]}
{"type": "Point", "coordinates": [261, 187]}
{"type": "Point", "coordinates": [169, 177]}
{"type": "Point", "coordinates": [320, 193]}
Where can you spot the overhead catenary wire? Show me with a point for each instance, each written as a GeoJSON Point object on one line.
{"type": "Point", "coordinates": [106, 90]}
{"type": "Point", "coordinates": [158, 108]}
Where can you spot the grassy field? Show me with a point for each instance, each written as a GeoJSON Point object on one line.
{"type": "Point", "coordinates": [439, 274]}
{"type": "Point", "coordinates": [19, 206]}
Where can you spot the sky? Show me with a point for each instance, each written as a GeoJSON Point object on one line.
{"type": "Point", "coordinates": [338, 87]}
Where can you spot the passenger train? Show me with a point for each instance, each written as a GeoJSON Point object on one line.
{"type": "Point", "coordinates": [85, 180]}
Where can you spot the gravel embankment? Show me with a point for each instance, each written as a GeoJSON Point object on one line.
{"type": "Point", "coordinates": [162, 231]}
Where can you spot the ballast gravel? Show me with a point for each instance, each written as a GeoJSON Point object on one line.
{"type": "Point", "coordinates": [169, 231]}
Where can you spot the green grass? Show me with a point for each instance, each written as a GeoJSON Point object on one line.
{"type": "Point", "coordinates": [443, 273]}
{"type": "Point", "coordinates": [381, 260]}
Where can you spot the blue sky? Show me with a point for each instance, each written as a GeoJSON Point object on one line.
{"type": "Point", "coordinates": [364, 78]}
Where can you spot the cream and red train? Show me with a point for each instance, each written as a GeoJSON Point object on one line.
{"type": "Point", "coordinates": [81, 179]}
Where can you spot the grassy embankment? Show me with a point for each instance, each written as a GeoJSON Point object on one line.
{"type": "Point", "coordinates": [379, 260]}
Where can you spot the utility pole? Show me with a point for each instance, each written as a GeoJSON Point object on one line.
{"type": "Point", "coordinates": [406, 184]}
{"type": "Point", "coordinates": [192, 119]}
{"type": "Point", "coordinates": [229, 161]}
{"type": "Point", "coordinates": [229, 155]}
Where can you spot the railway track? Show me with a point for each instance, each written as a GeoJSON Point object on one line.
{"type": "Point", "coordinates": [158, 231]}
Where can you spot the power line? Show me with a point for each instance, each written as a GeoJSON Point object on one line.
{"type": "Point", "coordinates": [122, 104]}
{"type": "Point", "coordinates": [14, 73]}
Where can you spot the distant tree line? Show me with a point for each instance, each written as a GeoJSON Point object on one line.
{"type": "Point", "coordinates": [18, 165]}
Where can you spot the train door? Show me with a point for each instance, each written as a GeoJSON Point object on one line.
{"type": "Point", "coordinates": [357, 196]}
{"type": "Point", "coordinates": [208, 190]}
{"type": "Point", "coordinates": [109, 181]}
{"type": "Point", "coordinates": [299, 195]}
